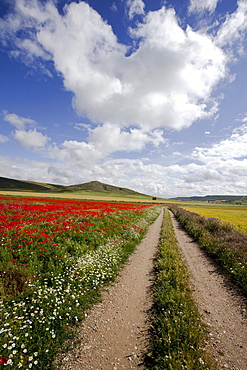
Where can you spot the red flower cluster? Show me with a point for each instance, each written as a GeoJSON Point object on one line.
{"type": "Point", "coordinates": [39, 228]}
{"type": "Point", "coordinates": [3, 360]}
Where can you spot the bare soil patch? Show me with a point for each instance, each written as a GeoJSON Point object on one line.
{"type": "Point", "coordinates": [115, 334]}
{"type": "Point", "coordinates": [221, 306]}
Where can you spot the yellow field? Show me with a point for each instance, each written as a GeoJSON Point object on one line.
{"type": "Point", "coordinates": [234, 214]}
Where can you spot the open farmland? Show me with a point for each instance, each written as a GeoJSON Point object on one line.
{"type": "Point", "coordinates": [236, 215]}
{"type": "Point", "coordinates": [55, 254]}
{"type": "Point", "coordinates": [85, 195]}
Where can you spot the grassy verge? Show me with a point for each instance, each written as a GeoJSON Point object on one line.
{"type": "Point", "coordinates": [176, 331]}
{"type": "Point", "coordinates": [221, 241]}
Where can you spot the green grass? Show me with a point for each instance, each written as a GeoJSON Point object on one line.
{"type": "Point", "coordinates": [177, 333]}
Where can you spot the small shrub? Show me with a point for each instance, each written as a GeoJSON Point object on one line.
{"type": "Point", "coordinates": [14, 279]}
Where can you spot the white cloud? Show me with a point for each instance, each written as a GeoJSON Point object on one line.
{"type": "Point", "coordinates": [3, 138]}
{"type": "Point", "coordinates": [102, 142]}
{"type": "Point", "coordinates": [167, 82]}
{"type": "Point", "coordinates": [110, 138]}
{"type": "Point", "coordinates": [212, 170]}
{"type": "Point", "coordinates": [136, 7]}
{"type": "Point", "coordinates": [199, 6]}
{"type": "Point", "coordinates": [228, 149]}
{"type": "Point", "coordinates": [30, 138]}
{"type": "Point", "coordinates": [17, 121]}
{"type": "Point", "coordinates": [234, 27]}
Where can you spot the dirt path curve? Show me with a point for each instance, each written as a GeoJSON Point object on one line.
{"type": "Point", "coordinates": [114, 335]}
{"type": "Point", "coordinates": [222, 308]}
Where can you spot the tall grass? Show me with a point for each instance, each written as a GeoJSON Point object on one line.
{"type": "Point", "coordinates": [222, 242]}
{"type": "Point", "coordinates": [176, 331]}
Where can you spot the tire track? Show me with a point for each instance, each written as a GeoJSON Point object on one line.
{"type": "Point", "coordinates": [115, 333]}
{"type": "Point", "coordinates": [221, 307]}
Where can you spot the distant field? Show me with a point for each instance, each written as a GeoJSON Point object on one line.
{"type": "Point", "coordinates": [234, 214]}
{"type": "Point", "coordinates": [86, 195]}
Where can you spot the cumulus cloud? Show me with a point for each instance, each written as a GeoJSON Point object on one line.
{"type": "Point", "coordinates": [19, 122]}
{"type": "Point", "coordinates": [30, 138]}
{"type": "Point", "coordinates": [27, 138]}
{"type": "Point", "coordinates": [166, 83]}
{"type": "Point", "coordinates": [109, 138]}
{"type": "Point", "coordinates": [135, 7]}
{"type": "Point", "coordinates": [208, 170]}
{"type": "Point", "coordinates": [3, 138]}
{"type": "Point", "coordinates": [165, 80]}
{"type": "Point", "coordinates": [102, 142]}
{"type": "Point", "coordinates": [199, 6]}
{"type": "Point", "coordinates": [230, 148]}
{"type": "Point", "coordinates": [234, 27]}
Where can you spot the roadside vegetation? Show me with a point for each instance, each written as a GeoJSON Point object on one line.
{"type": "Point", "coordinates": [221, 241]}
{"type": "Point", "coordinates": [236, 215]}
{"type": "Point", "coordinates": [55, 256]}
{"type": "Point", "coordinates": [177, 333]}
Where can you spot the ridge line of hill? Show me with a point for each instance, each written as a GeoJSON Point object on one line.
{"type": "Point", "coordinates": [9, 184]}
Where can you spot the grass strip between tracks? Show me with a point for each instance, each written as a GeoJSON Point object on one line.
{"type": "Point", "coordinates": [177, 333]}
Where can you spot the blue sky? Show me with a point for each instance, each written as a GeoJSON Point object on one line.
{"type": "Point", "coordinates": [145, 94]}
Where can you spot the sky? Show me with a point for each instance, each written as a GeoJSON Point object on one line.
{"type": "Point", "coordinates": [145, 94]}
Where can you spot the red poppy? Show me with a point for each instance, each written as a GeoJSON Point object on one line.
{"type": "Point", "coordinates": [3, 360]}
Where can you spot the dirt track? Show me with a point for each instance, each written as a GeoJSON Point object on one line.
{"type": "Point", "coordinates": [114, 335]}
{"type": "Point", "coordinates": [221, 307]}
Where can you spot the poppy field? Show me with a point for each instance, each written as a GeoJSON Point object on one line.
{"type": "Point", "coordinates": [55, 254]}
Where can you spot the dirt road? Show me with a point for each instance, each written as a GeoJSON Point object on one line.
{"type": "Point", "coordinates": [115, 333]}
{"type": "Point", "coordinates": [221, 308]}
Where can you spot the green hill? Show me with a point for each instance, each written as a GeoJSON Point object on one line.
{"type": "Point", "coordinates": [93, 186]}
{"type": "Point", "coordinates": [19, 185]}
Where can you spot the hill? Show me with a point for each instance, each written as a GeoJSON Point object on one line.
{"type": "Point", "coordinates": [96, 186]}
{"type": "Point", "coordinates": [214, 199]}
{"type": "Point", "coordinates": [93, 186]}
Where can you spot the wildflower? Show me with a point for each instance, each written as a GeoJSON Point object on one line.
{"type": "Point", "coordinates": [201, 361]}
{"type": "Point", "coordinates": [4, 360]}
